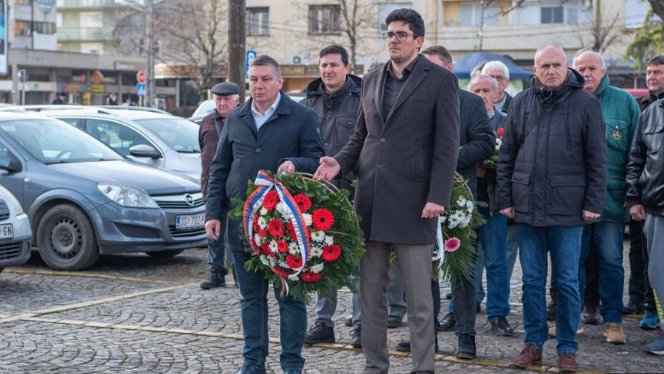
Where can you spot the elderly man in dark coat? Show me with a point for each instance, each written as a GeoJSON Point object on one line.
{"type": "Point", "coordinates": [404, 150]}
{"type": "Point", "coordinates": [551, 180]}
{"type": "Point", "coordinates": [226, 98]}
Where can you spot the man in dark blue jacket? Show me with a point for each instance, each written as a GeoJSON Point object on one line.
{"type": "Point", "coordinates": [269, 132]}
{"type": "Point", "coordinates": [551, 181]}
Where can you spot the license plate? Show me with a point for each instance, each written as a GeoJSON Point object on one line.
{"type": "Point", "coordinates": [190, 222]}
{"type": "Point", "coordinates": [6, 231]}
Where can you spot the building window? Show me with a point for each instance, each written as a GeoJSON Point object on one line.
{"type": "Point", "coordinates": [258, 21]}
{"type": "Point", "coordinates": [383, 10]}
{"type": "Point", "coordinates": [91, 19]}
{"type": "Point", "coordinates": [471, 14]}
{"type": "Point", "coordinates": [22, 28]}
{"type": "Point", "coordinates": [324, 19]}
{"type": "Point", "coordinates": [46, 28]}
{"type": "Point", "coordinates": [552, 14]}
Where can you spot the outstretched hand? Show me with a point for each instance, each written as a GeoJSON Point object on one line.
{"type": "Point", "coordinates": [328, 168]}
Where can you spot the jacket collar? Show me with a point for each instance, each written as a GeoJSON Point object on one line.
{"type": "Point", "coordinates": [573, 81]}
{"type": "Point", "coordinates": [420, 69]}
{"type": "Point", "coordinates": [603, 86]}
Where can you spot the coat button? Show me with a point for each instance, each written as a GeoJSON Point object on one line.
{"type": "Point", "coordinates": [379, 166]}
{"type": "Point", "coordinates": [382, 140]}
{"type": "Point", "coordinates": [258, 150]}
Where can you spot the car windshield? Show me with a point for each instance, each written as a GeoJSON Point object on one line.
{"type": "Point", "coordinates": [51, 141]}
{"type": "Point", "coordinates": [178, 133]}
{"type": "Point", "coordinates": [204, 108]}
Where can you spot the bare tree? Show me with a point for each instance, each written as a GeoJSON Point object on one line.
{"type": "Point", "coordinates": [601, 33]}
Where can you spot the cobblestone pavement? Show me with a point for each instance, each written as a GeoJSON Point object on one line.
{"type": "Point", "coordinates": [138, 314]}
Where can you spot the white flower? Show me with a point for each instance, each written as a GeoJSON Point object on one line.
{"type": "Point", "coordinates": [262, 222]}
{"type": "Point", "coordinates": [283, 210]}
{"type": "Point", "coordinates": [317, 268]}
{"type": "Point", "coordinates": [257, 240]}
{"type": "Point", "coordinates": [294, 277]}
{"type": "Point", "coordinates": [307, 219]}
{"type": "Point", "coordinates": [461, 201]}
{"type": "Point", "coordinates": [316, 251]}
{"type": "Point", "coordinates": [317, 236]}
{"type": "Point", "coordinates": [273, 246]}
{"type": "Point", "coordinates": [263, 211]}
{"type": "Point", "coordinates": [329, 240]}
{"type": "Point", "coordinates": [264, 260]}
{"type": "Point", "coordinates": [470, 206]}
{"type": "Point", "coordinates": [293, 248]}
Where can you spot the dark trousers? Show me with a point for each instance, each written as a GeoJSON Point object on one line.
{"type": "Point", "coordinates": [639, 286]}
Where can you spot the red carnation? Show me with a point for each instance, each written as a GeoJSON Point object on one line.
{"type": "Point", "coordinates": [270, 200]}
{"type": "Point", "coordinates": [294, 262]}
{"type": "Point", "coordinates": [276, 228]}
{"type": "Point", "coordinates": [500, 132]}
{"type": "Point", "coordinates": [303, 202]}
{"type": "Point", "coordinates": [262, 232]}
{"type": "Point", "coordinates": [310, 277]}
{"type": "Point", "coordinates": [265, 248]}
{"type": "Point", "coordinates": [282, 246]}
{"type": "Point", "coordinates": [281, 272]}
{"type": "Point", "coordinates": [331, 253]}
{"type": "Point", "coordinates": [323, 219]}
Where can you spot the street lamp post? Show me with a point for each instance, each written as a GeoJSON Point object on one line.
{"type": "Point", "coordinates": [150, 93]}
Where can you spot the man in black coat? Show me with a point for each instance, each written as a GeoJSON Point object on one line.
{"type": "Point", "coordinates": [404, 151]}
{"type": "Point", "coordinates": [335, 97]}
{"type": "Point", "coordinates": [476, 143]}
{"type": "Point", "coordinates": [226, 98]}
{"type": "Point", "coordinates": [269, 132]}
{"type": "Point", "coordinates": [551, 181]}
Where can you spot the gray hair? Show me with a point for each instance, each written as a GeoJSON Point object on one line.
{"type": "Point", "coordinates": [479, 77]}
{"type": "Point", "coordinates": [495, 64]}
{"type": "Point", "coordinates": [579, 53]}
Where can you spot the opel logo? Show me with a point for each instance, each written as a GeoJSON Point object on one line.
{"type": "Point", "coordinates": [189, 199]}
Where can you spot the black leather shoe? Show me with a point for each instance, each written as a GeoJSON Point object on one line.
{"type": "Point", "coordinates": [319, 333]}
{"type": "Point", "coordinates": [217, 279]}
{"type": "Point", "coordinates": [448, 323]}
{"type": "Point", "coordinates": [633, 307]}
{"type": "Point", "coordinates": [466, 347]}
{"type": "Point", "coordinates": [393, 322]}
{"type": "Point", "coordinates": [403, 346]}
{"type": "Point", "coordinates": [591, 316]}
{"type": "Point", "coordinates": [500, 326]}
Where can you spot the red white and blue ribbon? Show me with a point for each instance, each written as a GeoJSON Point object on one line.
{"type": "Point", "coordinates": [253, 205]}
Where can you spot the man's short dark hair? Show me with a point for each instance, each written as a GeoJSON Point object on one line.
{"type": "Point", "coordinates": [440, 51]}
{"type": "Point", "coordinates": [657, 60]}
{"type": "Point", "coordinates": [265, 60]}
{"type": "Point", "coordinates": [335, 49]}
{"type": "Point", "coordinates": [409, 16]}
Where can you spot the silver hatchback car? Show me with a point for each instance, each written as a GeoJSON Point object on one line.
{"type": "Point", "coordinates": [83, 199]}
{"type": "Point", "coordinates": [15, 233]}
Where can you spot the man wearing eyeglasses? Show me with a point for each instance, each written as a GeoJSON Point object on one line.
{"type": "Point", "coordinates": [404, 150]}
{"type": "Point", "coordinates": [499, 71]}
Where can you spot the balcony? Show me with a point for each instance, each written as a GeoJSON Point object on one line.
{"type": "Point", "coordinates": [85, 34]}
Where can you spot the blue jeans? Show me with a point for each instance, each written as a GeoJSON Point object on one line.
{"type": "Point", "coordinates": [492, 237]}
{"type": "Point", "coordinates": [564, 243]}
{"type": "Point", "coordinates": [253, 302]}
{"type": "Point", "coordinates": [511, 249]}
{"type": "Point", "coordinates": [607, 239]}
{"type": "Point", "coordinates": [216, 254]}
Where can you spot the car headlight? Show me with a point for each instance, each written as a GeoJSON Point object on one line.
{"type": "Point", "coordinates": [128, 196]}
{"type": "Point", "coordinates": [9, 198]}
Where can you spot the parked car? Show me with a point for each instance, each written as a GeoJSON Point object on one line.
{"type": "Point", "coordinates": [84, 199]}
{"type": "Point", "coordinates": [155, 139]}
{"type": "Point", "coordinates": [15, 233]}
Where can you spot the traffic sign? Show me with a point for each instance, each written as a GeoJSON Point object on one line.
{"type": "Point", "coordinates": [251, 55]}
{"type": "Point", "coordinates": [140, 89]}
{"type": "Point", "coordinates": [140, 76]}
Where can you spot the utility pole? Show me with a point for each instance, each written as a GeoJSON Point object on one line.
{"type": "Point", "coordinates": [237, 44]}
{"type": "Point", "coordinates": [150, 93]}
{"type": "Point", "coordinates": [481, 32]}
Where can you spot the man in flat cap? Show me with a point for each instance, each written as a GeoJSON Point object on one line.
{"type": "Point", "coordinates": [226, 98]}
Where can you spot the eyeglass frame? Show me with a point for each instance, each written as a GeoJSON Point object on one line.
{"type": "Point", "coordinates": [399, 35]}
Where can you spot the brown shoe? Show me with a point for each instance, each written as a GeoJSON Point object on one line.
{"type": "Point", "coordinates": [614, 333]}
{"type": "Point", "coordinates": [528, 356]}
{"type": "Point", "coordinates": [567, 362]}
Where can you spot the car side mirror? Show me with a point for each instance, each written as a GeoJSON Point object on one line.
{"type": "Point", "coordinates": [10, 164]}
{"type": "Point", "coordinates": [144, 150]}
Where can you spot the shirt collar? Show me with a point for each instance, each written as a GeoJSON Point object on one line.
{"type": "Point", "coordinates": [269, 110]}
{"type": "Point", "coordinates": [406, 71]}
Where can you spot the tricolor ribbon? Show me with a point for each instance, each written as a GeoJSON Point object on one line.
{"type": "Point", "coordinates": [253, 205]}
{"type": "Point", "coordinates": [440, 255]}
